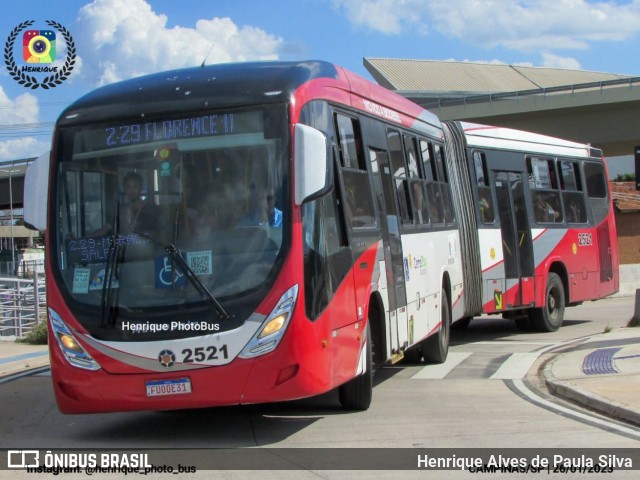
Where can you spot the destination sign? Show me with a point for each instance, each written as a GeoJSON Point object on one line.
{"type": "Point", "coordinates": [83, 251]}
{"type": "Point", "coordinates": [182, 128]}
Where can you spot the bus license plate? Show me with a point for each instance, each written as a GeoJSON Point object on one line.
{"type": "Point", "coordinates": [177, 386]}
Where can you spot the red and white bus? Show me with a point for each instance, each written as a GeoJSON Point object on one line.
{"type": "Point", "coordinates": [262, 232]}
{"type": "Point", "coordinates": [536, 221]}
{"type": "Point", "coordinates": [298, 230]}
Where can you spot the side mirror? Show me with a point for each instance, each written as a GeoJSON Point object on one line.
{"type": "Point", "coordinates": [36, 188]}
{"type": "Point", "coordinates": [311, 163]}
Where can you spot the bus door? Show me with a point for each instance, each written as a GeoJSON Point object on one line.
{"type": "Point", "coordinates": [517, 245]}
{"type": "Point", "coordinates": [394, 275]}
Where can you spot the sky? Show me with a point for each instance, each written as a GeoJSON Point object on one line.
{"type": "Point", "coordinates": [120, 39]}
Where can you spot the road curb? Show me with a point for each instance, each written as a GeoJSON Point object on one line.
{"type": "Point", "coordinates": [568, 390]}
{"type": "Point", "coordinates": [23, 358]}
{"type": "Point", "coordinates": [8, 372]}
{"type": "Point", "coordinates": [8, 377]}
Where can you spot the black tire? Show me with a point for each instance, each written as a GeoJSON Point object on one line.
{"type": "Point", "coordinates": [436, 348]}
{"type": "Point", "coordinates": [356, 394]}
{"type": "Point", "coordinates": [549, 318]}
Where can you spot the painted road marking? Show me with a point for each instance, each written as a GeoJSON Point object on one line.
{"type": "Point", "coordinates": [516, 366]}
{"type": "Point", "coordinates": [435, 372]}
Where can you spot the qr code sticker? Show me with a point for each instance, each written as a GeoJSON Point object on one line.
{"type": "Point", "coordinates": [200, 262]}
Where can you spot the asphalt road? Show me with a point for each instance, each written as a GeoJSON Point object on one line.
{"type": "Point", "coordinates": [481, 398]}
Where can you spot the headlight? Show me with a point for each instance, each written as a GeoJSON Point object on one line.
{"type": "Point", "coordinates": [272, 329]}
{"type": "Point", "coordinates": [71, 348]}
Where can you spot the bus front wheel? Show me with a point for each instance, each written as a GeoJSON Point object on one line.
{"type": "Point", "coordinates": [550, 316]}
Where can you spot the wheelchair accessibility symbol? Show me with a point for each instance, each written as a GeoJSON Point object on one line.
{"type": "Point", "coordinates": [168, 275]}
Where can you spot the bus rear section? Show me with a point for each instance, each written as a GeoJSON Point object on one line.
{"type": "Point", "coordinates": [543, 213]}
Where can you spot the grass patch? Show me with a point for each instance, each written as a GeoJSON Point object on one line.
{"type": "Point", "coordinates": [37, 336]}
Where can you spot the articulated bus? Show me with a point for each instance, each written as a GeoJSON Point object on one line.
{"type": "Point", "coordinates": [298, 232]}
{"type": "Point", "coordinates": [261, 232]}
{"type": "Point", "coordinates": [536, 224]}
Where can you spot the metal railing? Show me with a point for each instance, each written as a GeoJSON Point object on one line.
{"type": "Point", "coordinates": [23, 268]}
{"type": "Point", "coordinates": [21, 302]}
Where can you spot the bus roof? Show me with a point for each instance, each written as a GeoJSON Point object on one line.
{"type": "Point", "coordinates": [196, 88]}
{"type": "Point", "coordinates": [485, 136]}
{"type": "Point", "coordinates": [225, 86]}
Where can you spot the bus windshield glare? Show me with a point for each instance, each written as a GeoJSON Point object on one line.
{"type": "Point", "coordinates": [170, 213]}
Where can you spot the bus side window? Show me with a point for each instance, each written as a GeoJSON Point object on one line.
{"type": "Point", "coordinates": [351, 155]}
{"type": "Point", "coordinates": [358, 202]}
{"type": "Point", "coordinates": [485, 200]}
{"type": "Point", "coordinates": [596, 184]}
{"type": "Point", "coordinates": [399, 173]}
{"type": "Point", "coordinates": [326, 257]}
{"type": "Point", "coordinates": [445, 188]}
{"type": "Point", "coordinates": [439, 158]}
{"type": "Point", "coordinates": [572, 193]}
{"type": "Point", "coordinates": [545, 195]}
{"type": "Point", "coordinates": [428, 166]}
{"type": "Point", "coordinates": [419, 199]}
{"type": "Point", "coordinates": [597, 191]}
{"type": "Point", "coordinates": [412, 159]}
{"type": "Point", "coordinates": [440, 191]}
{"type": "Point", "coordinates": [417, 186]}
{"type": "Point", "coordinates": [546, 207]}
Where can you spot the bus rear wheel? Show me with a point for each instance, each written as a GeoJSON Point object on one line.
{"type": "Point", "coordinates": [436, 348]}
{"type": "Point", "coordinates": [356, 394]}
{"type": "Point", "coordinates": [550, 316]}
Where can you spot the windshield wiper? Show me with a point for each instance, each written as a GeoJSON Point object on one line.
{"type": "Point", "coordinates": [110, 295]}
{"type": "Point", "coordinates": [176, 256]}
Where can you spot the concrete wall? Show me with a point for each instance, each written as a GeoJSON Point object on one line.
{"type": "Point", "coordinates": [629, 280]}
{"type": "Point", "coordinates": [628, 226]}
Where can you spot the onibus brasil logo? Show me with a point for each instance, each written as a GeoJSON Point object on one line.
{"type": "Point", "coordinates": [39, 52]}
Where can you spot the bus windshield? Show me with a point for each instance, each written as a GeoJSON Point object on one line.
{"type": "Point", "coordinates": [169, 213]}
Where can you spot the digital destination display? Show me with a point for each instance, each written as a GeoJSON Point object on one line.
{"type": "Point", "coordinates": [83, 251]}
{"type": "Point", "coordinates": [182, 128]}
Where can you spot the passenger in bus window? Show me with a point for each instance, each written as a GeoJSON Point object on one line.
{"type": "Point", "coordinates": [574, 212]}
{"type": "Point", "coordinates": [544, 212]}
{"type": "Point", "coordinates": [263, 211]}
{"type": "Point", "coordinates": [274, 215]}
{"type": "Point", "coordinates": [420, 212]}
{"type": "Point", "coordinates": [486, 209]}
{"type": "Point", "coordinates": [137, 215]}
{"type": "Point", "coordinates": [141, 215]}
{"type": "Point", "coordinates": [434, 201]}
{"type": "Point", "coordinates": [216, 211]}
